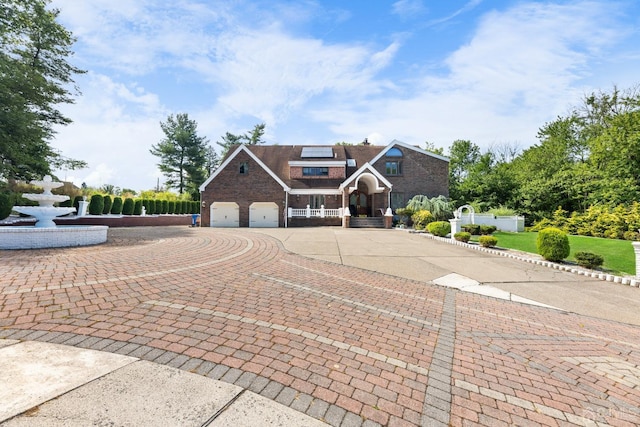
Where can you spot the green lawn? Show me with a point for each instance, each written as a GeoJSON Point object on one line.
{"type": "Point", "coordinates": [618, 255]}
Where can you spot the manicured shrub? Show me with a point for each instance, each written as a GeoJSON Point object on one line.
{"type": "Point", "coordinates": [116, 208]}
{"type": "Point", "coordinates": [421, 219]}
{"type": "Point", "coordinates": [462, 236]}
{"type": "Point", "coordinates": [66, 204]}
{"type": "Point", "coordinates": [107, 204]}
{"type": "Point", "coordinates": [185, 207]}
{"type": "Point", "coordinates": [473, 229]}
{"type": "Point", "coordinates": [128, 206]}
{"type": "Point", "coordinates": [6, 204]}
{"type": "Point", "coordinates": [165, 206]}
{"type": "Point", "coordinates": [553, 244]}
{"type": "Point", "coordinates": [137, 207]}
{"type": "Point", "coordinates": [439, 228]}
{"type": "Point", "coordinates": [487, 241]}
{"type": "Point", "coordinates": [487, 229]}
{"type": "Point", "coordinates": [589, 259]}
{"type": "Point", "coordinates": [96, 204]}
{"type": "Point", "coordinates": [152, 207]}
{"type": "Point", "coordinates": [631, 235]}
{"type": "Point", "coordinates": [171, 207]}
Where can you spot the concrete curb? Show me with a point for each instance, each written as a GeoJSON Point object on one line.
{"type": "Point", "coordinates": [633, 282]}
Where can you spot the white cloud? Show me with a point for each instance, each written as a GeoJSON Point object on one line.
{"type": "Point", "coordinates": [522, 67]}
{"type": "Point", "coordinates": [408, 8]}
{"type": "Point", "coordinates": [113, 130]}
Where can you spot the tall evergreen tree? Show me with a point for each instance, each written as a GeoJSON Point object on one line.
{"type": "Point", "coordinates": [182, 154]}
{"type": "Point", "coordinates": [35, 77]}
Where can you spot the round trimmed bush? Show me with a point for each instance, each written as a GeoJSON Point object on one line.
{"type": "Point", "coordinates": [116, 208]}
{"type": "Point", "coordinates": [165, 206]}
{"type": "Point", "coordinates": [128, 206]}
{"type": "Point", "coordinates": [589, 259]}
{"type": "Point", "coordinates": [107, 204]}
{"type": "Point", "coordinates": [462, 236]}
{"type": "Point", "coordinates": [553, 244]}
{"type": "Point", "coordinates": [6, 204]}
{"type": "Point", "coordinates": [421, 219]}
{"type": "Point", "coordinates": [96, 204]}
{"type": "Point", "coordinates": [487, 229]}
{"type": "Point", "coordinates": [171, 207]}
{"type": "Point", "coordinates": [439, 228]}
{"type": "Point", "coordinates": [487, 241]}
{"type": "Point", "coordinates": [474, 229]}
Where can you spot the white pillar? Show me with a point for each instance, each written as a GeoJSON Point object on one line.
{"type": "Point", "coordinates": [82, 208]}
{"type": "Point", "coordinates": [321, 211]}
{"type": "Point", "coordinates": [308, 211]}
{"type": "Point", "coordinates": [636, 248]}
{"type": "Point", "coordinates": [456, 227]}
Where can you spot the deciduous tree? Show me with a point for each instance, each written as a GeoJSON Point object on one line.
{"type": "Point", "coordinates": [35, 78]}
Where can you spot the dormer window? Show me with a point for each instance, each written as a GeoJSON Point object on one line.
{"type": "Point", "coordinates": [393, 164]}
{"type": "Point", "coordinates": [394, 152]}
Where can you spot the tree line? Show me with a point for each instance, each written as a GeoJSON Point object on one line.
{"type": "Point", "coordinates": [588, 157]}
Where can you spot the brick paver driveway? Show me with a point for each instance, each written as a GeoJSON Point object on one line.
{"type": "Point", "coordinates": [346, 345]}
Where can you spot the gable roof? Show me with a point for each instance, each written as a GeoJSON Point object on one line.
{"type": "Point", "coordinates": [275, 160]}
{"type": "Point", "coordinates": [366, 167]}
{"type": "Point", "coordinates": [228, 159]}
{"type": "Point", "coordinates": [396, 143]}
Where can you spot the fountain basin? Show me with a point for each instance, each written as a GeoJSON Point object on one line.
{"type": "Point", "coordinates": [43, 214]}
{"type": "Point", "coordinates": [17, 237]}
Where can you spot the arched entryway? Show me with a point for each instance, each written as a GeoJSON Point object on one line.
{"type": "Point", "coordinates": [360, 201]}
{"type": "Point", "coordinates": [366, 196]}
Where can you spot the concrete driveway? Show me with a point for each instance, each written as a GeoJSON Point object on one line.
{"type": "Point", "coordinates": [413, 256]}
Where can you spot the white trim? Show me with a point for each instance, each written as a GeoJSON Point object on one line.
{"type": "Point", "coordinates": [395, 142]}
{"type": "Point", "coordinates": [356, 175]}
{"type": "Point", "coordinates": [244, 148]}
{"type": "Point", "coordinates": [313, 163]}
{"type": "Point", "coordinates": [315, 191]}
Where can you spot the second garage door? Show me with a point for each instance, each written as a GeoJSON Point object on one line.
{"type": "Point", "coordinates": [263, 214]}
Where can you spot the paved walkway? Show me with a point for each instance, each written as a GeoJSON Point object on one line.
{"type": "Point", "coordinates": [348, 344]}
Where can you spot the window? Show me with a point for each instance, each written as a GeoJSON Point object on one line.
{"type": "Point", "coordinates": [397, 200]}
{"type": "Point", "coordinates": [316, 200]}
{"type": "Point", "coordinates": [394, 152]}
{"type": "Point", "coordinates": [393, 167]}
{"type": "Point", "coordinates": [315, 171]}
{"type": "Point", "coordinates": [244, 168]}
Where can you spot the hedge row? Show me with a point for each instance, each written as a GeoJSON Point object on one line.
{"type": "Point", "coordinates": [104, 205]}
{"type": "Point", "coordinates": [621, 222]}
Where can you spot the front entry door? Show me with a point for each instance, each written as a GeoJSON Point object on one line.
{"type": "Point", "coordinates": [359, 203]}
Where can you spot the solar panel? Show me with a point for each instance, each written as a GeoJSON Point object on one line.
{"type": "Point", "coordinates": [317, 152]}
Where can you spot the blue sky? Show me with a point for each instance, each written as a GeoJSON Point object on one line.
{"type": "Point", "coordinates": [320, 72]}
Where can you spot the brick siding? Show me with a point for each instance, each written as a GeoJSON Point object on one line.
{"type": "Point", "coordinates": [231, 186]}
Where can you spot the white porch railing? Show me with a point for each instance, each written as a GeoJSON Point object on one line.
{"type": "Point", "coordinates": [315, 213]}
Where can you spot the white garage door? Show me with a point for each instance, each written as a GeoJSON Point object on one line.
{"type": "Point", "coordinates": [225, 214]}
{"type": "Point", "coordinates": [263, 214]}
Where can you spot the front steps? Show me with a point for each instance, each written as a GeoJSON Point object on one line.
{"type": "Point", "coordinates": [368, 222]}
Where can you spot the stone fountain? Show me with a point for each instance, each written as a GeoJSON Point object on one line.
{"type": "Point", "coordinates": [45, 233]}
{"type": "Point", "coordinates": [45, 212]}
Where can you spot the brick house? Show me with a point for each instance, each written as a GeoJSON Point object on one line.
{"type": "Point", "coordinates": [291, 185]}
